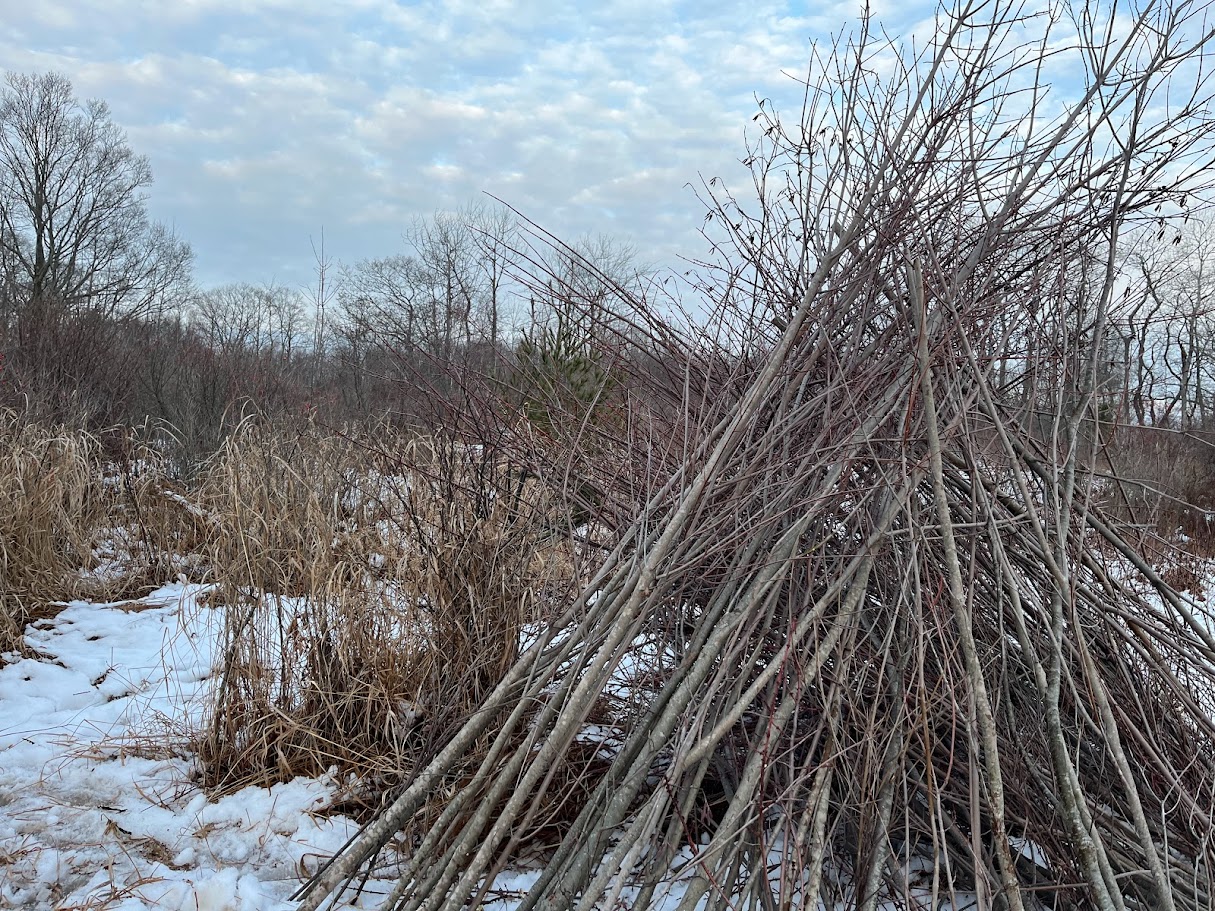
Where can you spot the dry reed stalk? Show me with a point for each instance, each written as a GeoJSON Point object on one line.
{"type": "Point", "coordinates": [82, 520]}
{"type": "Point", "coordinates": [50, 498]}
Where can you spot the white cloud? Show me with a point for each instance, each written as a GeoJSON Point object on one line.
{"type": "Point", "coordinates": [266, 119]}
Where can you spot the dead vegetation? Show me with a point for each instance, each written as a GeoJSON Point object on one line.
{"type": "Point", "coordinates": [374, 591]}
{"type": "Point", "coordinates": [80, 521]}
{"type": "Point", "coordinates": [1164, 479]}
{"type": "Point", "coordinates": [49, 495]}
{"type": "Point", "coordinates": [884, 619]}
{"type": "Point", "coordinates": [911, 658]}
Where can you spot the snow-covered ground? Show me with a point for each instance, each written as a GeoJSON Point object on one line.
{"type": "Point", "coordinates": [97, 807]}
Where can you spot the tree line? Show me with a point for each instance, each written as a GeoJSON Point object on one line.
{"type": "Point", "coordinates": [101, 323]}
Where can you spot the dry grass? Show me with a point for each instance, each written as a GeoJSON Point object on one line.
{"type": "Point", "coordinates": [374, 586]}
{"type": "Point", "coordinates": [52, 506]}
{"type": "Point", "coordinates": [1166, 483]}
{"type": "Point", "coordinates": [374, 589]}
{"type": "Point", "coordinates": [81, 520]}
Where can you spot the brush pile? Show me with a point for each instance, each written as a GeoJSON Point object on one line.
{"type": "Point", "coordinates": [908, 657]}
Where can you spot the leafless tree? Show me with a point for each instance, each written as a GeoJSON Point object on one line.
{"type": "Point", "coordinates": [1165, 327]}
{"type": "Point", "coordinates": [323, 294]}
{"type": "Point", "coordinates": [74, 227]}
{"type": "Point", "coordinates": [448, 290]}
{"type": "Point", "coordinates": [250, 320]}
{"type": "Point", "coordinates": [495, 231]}
{"type": "Point", "coordinates": [78, 253]}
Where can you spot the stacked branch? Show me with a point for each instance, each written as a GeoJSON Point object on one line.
{"type": "Point", "coordinates": [906, 654]}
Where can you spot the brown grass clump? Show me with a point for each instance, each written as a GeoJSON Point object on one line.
{"type": "Point", "coordinates": [289, 515]}
{"type": "Point", "coordinates": [374, 591]}
{"type": "Point", "coordinates": [52, 506]}
{"type": "Point", "coordinates": [84, 518]}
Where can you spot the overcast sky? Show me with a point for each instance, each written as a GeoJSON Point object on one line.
{"type": "Point", "coordinates": [265, 120]}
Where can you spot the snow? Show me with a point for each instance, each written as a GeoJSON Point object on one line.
{"type": "Point", "coordinates": [1030, 850]}
{"type": "Point", "coordinates": [97, 805]}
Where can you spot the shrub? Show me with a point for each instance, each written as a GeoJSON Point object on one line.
{"type": "Point", "coordinates": [374, 590]}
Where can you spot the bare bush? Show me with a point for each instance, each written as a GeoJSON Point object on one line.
{"type": "Point", "coordinates": [374, 590]}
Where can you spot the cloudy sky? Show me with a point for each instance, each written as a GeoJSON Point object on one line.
{"type": "Point", "coordinates": [266, 120]}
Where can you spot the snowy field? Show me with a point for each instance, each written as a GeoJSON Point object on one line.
{"type": "Point", "coordinates": [98, 809]}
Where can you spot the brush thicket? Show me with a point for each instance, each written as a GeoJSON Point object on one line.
{"type": "Point", "coordinates": [374, 590]}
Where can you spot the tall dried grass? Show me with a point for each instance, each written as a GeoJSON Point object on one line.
{"type": "Point", "coordinates": [52, 506]}
{"type": "Point", "coordinates": [374, 590]}
{"type": "Point", "coordinates": [83, 517]}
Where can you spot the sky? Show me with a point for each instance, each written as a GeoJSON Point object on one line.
{"type": "Point", "coordinates": [268, 121]}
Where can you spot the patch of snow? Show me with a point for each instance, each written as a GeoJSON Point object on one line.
{"type": "Point", "coordinates": [1030, 850]}
{"type": "Point", "coordinates": [97, 804]}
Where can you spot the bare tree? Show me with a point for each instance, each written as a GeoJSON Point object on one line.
{"type": "Point", "coordinates": [495, 231]}
{"type": "Point", "coordinates": [78, 254]}
{"type": "Point", "coordinates": [1165, 323]}
{"type": "Point", "coordinates": [322, 294]}
{"type": "Point", "coordinates": [380, 311]}
{"type": "Point", "coordinates": [73, 222]}
{"type": "Point", "coordinates": [244, 319]}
